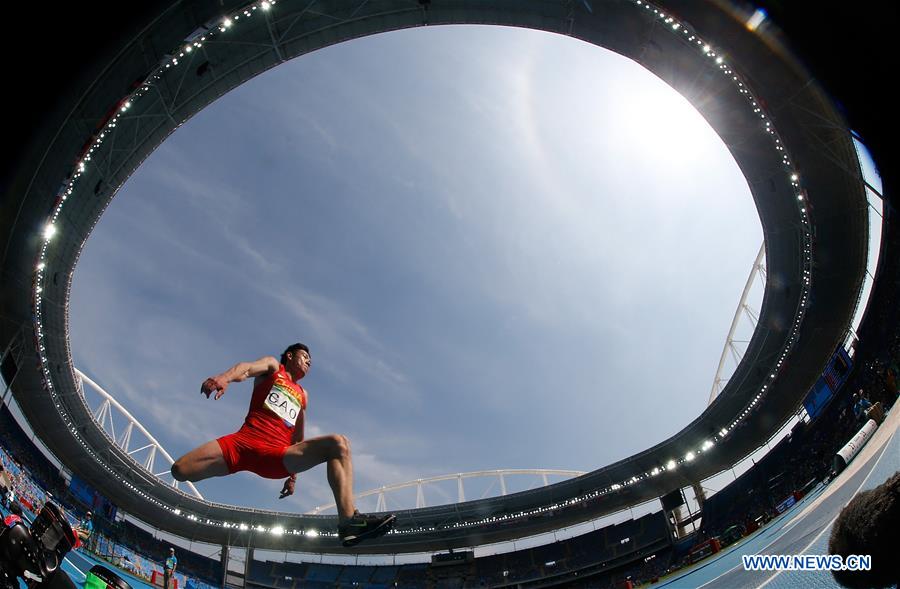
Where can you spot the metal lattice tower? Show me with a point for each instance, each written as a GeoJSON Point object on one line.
{"type": "Point", "coordinates": [143, 447]}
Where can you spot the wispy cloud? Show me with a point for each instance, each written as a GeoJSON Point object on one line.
{"type": "Point", "coordinates": [344, 337]}
{"type": "Point", "coordinates": [165, 403]}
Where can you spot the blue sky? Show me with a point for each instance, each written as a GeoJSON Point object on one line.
{"type": "Point", "coordinates": [505, 249]}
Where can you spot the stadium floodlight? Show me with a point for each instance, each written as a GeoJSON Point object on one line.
{"type": "Point", "coordinates": [312, 533]}
{"type": "Point", "coordinates": [266, 5]}
{"type": "Point", "coordinates": [49, 231]}
{"type": "Point", "coordinates": [709, 443]}
{"type": "Point", "coordinates": [654, 472]}
{"type": "Point", "coordinates": [277, 531]}
{"type": "Point", "coordinates": [243, 527]}
{"type": "Point", "coordinates": [689, 456]}
{"type": "Point", "coordinates": [671, 465]}
{"type": "Point", "coordinates": [177, 511]}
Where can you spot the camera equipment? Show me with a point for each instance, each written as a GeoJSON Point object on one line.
{"type": "Point", "coordinates": [35, 554]}
{"type": "Point", "coordinates": [100, 577]}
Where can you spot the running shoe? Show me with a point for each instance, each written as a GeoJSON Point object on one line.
{"type": "Point", "coordinates": [363, 527]}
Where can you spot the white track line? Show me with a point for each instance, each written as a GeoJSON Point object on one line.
{"type": "Point", "coordinates": [71, 564]}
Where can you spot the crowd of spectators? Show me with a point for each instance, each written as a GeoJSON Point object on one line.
{"type": "Point", "coordinates": [18, 487]}
{"type": "Point", "coordinates": [30, 480]}
{"type": "Point", "coordinates": [805, 456]}
{"type": "Point", "coordinates": [24, 454]}
{"type": "Point", "coordinates": [639, 550]}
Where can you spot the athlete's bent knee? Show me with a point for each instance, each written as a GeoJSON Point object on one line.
{"type": "Point", "coordinates": [178, 471]}
{"type": "Point", "coordinates": [340, 446]}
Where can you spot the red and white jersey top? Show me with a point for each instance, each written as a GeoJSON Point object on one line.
{"type": "Point", "coordinates": [275, 407]}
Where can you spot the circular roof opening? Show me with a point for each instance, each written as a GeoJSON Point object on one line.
{"type": "Point", "coordinates": [506, 249]}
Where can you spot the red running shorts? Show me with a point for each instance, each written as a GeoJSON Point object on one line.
{"type": "Point", "coordinates": [245, 452]}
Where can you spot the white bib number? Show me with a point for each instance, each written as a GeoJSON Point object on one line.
{"type": "Point", "coordinates": [283, 405]}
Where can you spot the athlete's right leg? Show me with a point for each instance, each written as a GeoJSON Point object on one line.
{"type": "Point", "coordinates": [201, 463]}
{"type": "Point", "coordinates": [335, 451]}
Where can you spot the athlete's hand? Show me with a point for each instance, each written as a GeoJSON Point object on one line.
{"type": "Point", "coordinates": [211, 384]}
{"type": "Point", "coordinates": [288, 488]}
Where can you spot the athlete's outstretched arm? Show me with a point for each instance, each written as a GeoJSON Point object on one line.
{"type": "Point", "coordinates": [237, 373]}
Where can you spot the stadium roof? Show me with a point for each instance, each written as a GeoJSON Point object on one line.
{"type": "Point", "coordinates": [791, 144]}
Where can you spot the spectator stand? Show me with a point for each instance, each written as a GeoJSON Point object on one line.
{"type": "Point", "coordinates": [31, 496]}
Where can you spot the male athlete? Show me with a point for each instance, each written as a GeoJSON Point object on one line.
{"type": "Point", "coordinates": [271, 442]}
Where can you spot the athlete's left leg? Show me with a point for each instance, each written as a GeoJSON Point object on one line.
{"type": "Point", "coordinates": [201, 463]}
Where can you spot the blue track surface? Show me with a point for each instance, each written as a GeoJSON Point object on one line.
{"type": "Point", "coordinates": [78, 563]}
